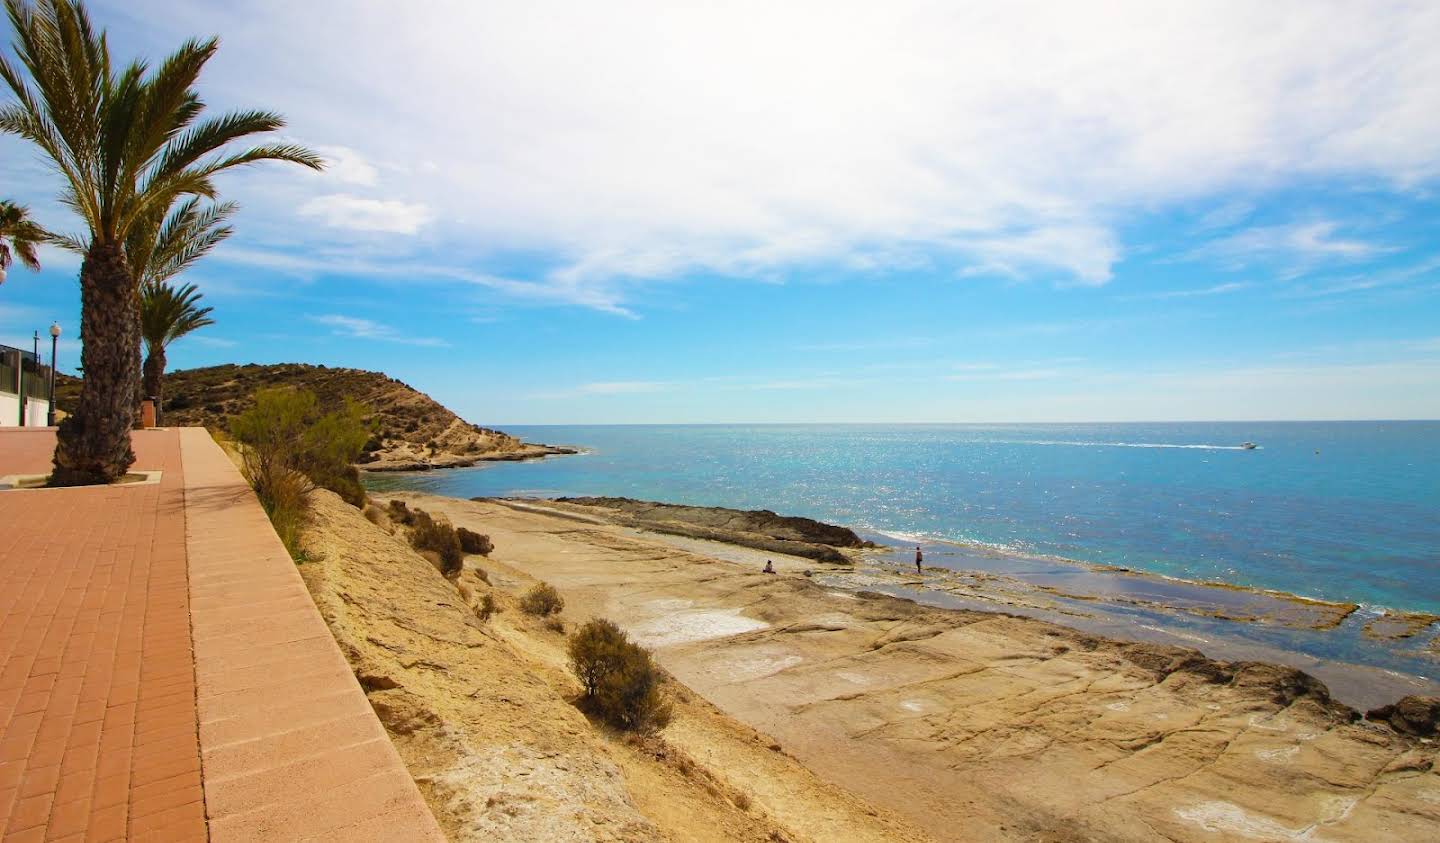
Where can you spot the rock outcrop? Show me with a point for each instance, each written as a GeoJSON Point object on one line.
{"type": "Point", "coordinates": [1419, 716]}
{"type": "Point", "coordinates": [760, 529]}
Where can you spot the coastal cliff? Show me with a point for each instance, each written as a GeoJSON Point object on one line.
{"type": "Point", "coordinates": [412, 431]}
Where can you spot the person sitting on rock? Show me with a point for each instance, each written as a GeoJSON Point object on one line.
{"type": "Point", "coordinates": [769, 567]}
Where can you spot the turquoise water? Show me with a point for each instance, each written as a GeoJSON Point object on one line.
{"type": "Point", "coordinates": [1344, 511]}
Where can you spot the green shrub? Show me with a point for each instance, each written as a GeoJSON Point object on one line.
{"type": "Point", "coordinates": [473, 542]}
{"type": "Point", "coordinates": [289, 448]}
{"type": "Point", "coordinates": [286, 432]}
{"type": "Point", "coordinates": [438, 537]}
{"type": "Point", "coordinates": [542, 599]}
{"type": "Point", "coordinates": [621, 680]}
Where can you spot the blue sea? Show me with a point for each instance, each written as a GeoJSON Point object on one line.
{"type": "Point", "coordinates": [1346, 511]}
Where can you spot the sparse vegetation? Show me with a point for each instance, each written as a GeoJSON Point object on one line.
{"type": "Point", "coordinates": [473, 542]}
{"type": "Point", "coordinates": [621, 680]}
{"type": "Point", "coordinates": [555, 624]}
{"type": "Point", "coordinates": [436, 536]}
{"type": "Point", "coordinates": [290, 449]}
{"type": "Point", "coordinates": [542, 599]}
{"type": "Point", "coordinates": [486, 608]}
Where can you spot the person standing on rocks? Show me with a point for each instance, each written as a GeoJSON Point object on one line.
{"type": "Point", "coordinates": [919, 557]}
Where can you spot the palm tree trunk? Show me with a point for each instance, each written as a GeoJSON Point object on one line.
{"type": "Point", "coordinates": [154, 374]}
{"type": "Point", "coordinates": [93, 443]}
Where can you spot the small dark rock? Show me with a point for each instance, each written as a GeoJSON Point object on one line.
{"type": "Point", "coordinates": [1418, 716]}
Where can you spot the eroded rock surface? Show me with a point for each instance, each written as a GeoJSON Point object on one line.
{"type": "Point", "coordinates": [481, 714]}
{"type": "Point", "coordinates": [984, 726]}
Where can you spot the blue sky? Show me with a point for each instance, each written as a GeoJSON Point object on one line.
{"type": "Point", "coordinates": [823, 212]}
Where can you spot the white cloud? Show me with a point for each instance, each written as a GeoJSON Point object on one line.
{"type": "Point", "coordinates": [636, 141]}
{"type": "Point", "coordinates": [1297, 245]}
{"type": "Point", "coordinates": [347, 165]}
{"type": "Point", "coordinates": [343, 210]}
{"type": "Point", "coordinates": [351, 326]}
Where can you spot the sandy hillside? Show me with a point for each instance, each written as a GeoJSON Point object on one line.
{"type": "Point", "coordinates": [981, 726]}
{"type": "Point", "coordinates": [481, 713]}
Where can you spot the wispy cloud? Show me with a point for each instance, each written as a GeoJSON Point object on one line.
{"type": "Point", "coordinates": [351, 326]}
{"type": "Point", "coordinates": [1216, 290]}
{"type": "Point", "coordinates": [620, 387]}
{"type": "Point", "coordinates": [213, 342]}
{"type": "Point", "coordinates": [1296, 247]}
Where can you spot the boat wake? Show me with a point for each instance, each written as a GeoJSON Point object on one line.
{"type": "Point", "coordinates": [1083, 444]}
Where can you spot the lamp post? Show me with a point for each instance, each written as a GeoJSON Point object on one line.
{"type": "Point", "coordinates": [54, 341]}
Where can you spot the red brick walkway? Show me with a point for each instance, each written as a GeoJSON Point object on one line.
{"type": "Point", "coordinates": [98, 727]}
{"type": "Point", "coordinates": [164, 674]}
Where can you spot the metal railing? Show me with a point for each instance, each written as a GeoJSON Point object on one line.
{"type": "Point", "coordinates": [21, 372]}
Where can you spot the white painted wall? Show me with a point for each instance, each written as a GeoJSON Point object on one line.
{"type": "Point", "coordinates": [36, 410]}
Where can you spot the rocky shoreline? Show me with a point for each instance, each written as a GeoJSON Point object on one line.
{"type": "Point", "coordinates": [982, 725]}
{"type": "Point", "coordinates": [760, 529]}
{"type": "Point", "coordinates": [386, 462]}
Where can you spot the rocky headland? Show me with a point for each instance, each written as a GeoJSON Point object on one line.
{"type": "Point", "coordinates": [412, 431]}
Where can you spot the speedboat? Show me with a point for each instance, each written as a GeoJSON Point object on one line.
{"type": "Point", "coordinates": [1249, 446]}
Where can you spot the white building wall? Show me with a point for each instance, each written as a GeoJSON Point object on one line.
{"type": "Point", "coordinates": [36, 411]}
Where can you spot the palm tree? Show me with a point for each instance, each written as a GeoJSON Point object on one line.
{"type": "Point", "coordinates": [20, 235]}
{"type": "Point", "coordinates": [167, 313]}
{"type": "Point", "coordinates": [127, 144]}
{"type": "Point", "coordinates": [158, 248]}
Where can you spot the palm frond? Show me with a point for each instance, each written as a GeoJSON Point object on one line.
{"type": "Point", "coordinates": [168, 313]}
{"type": "Point", "coordinates": [158, 251]}
{"type": "Point", "coordinates": [129, 140]}
{"type": "Point", "coordinates": [19, 236]}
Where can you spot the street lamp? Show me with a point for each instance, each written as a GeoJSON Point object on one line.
{"type": "Point", "coordinates": [54, 341]}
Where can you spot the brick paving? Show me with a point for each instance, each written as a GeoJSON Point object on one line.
{"type": "Point", "coordinates": [115, 726]}
{"type": "Point", "coordinates": [97, 694]}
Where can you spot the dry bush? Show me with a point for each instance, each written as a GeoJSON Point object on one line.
{"type": "Point", "coordinates": [486, 608]}
{"type": "Point", "coordinates": [473, 542]}
{"type": "Point", "coordinates": [742, 801]}
{"type": "Point", "coordinates": [554, 624]}
{"type": "Point", "coordinates": [438, 537]}
{"type": "Point", "coordinates": [285, 500]}
{"type": "Point", "coordinates": [622, 682]}
{"type": "Point", "coordinates": [400, 513]}
{"type": "Point", "coordinates": [542, 599]}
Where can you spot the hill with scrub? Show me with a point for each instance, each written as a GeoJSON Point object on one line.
{"type": "Point", "coordinates": [412, 431]}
